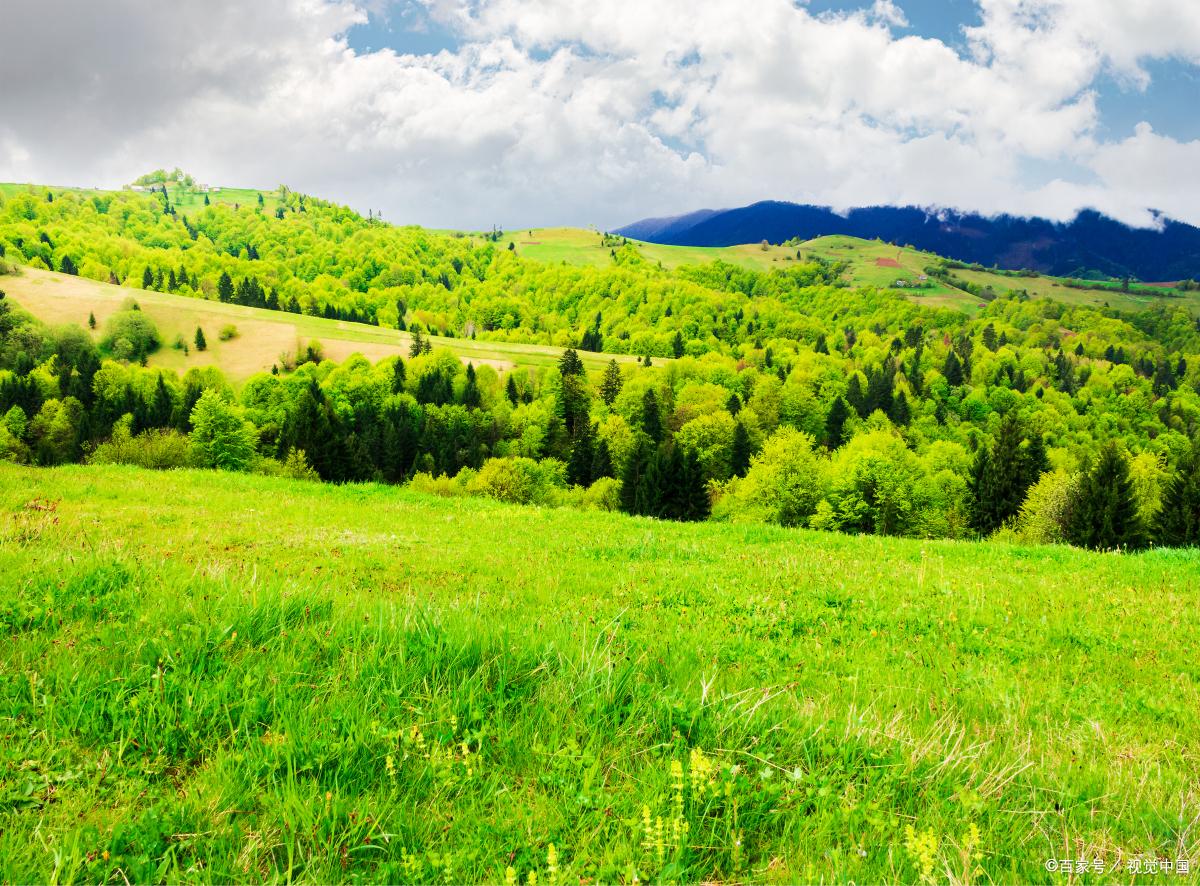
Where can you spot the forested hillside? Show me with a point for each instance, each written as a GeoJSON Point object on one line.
{"type": "Point", "coordinates": [789, 398]}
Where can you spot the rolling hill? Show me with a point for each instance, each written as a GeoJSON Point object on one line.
{"type": "Point", "coordinates": [1091, 245]}
{"type": "Point", "coordinates": [263, 335]}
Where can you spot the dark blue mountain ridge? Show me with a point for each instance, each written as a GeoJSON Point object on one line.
{"type": "Point", "coordinates": [1089, 245]}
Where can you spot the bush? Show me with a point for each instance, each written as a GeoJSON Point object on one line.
{"type": "Point", "coordinates": [157, 449]}
{"type": "Point", "coordinates": [228, 332]}
{"type": "Point", "coordinates": [519, 480]}
{"type": "Point", "coordinates": [603, 495]}
{"type": "Point", "coordinates": [130, 335]}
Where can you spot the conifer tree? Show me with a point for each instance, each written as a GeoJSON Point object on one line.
{"type": "Point", "coordinates": [510, 390]}
{"type": "Point", "coordinates": [1104, 516]}
{"type": "Point", "coordinates": [835, 424]}
{"type": "Point", "coordinates": [677, 345]}
{"type": "Point", "coordinates": [1178, 523]}
{"type": "Point", "coordinates": [225, 288]}
{"type": "Point", "coordinates": [583, 454]}
{"type": "Point", "coordinates": [733, 405]}
{"type": "Point", "coordinates": [611, 383]}
{"type": "Point", "coordinates": [855, 396]}
{"type": "Point", "coordinates": [201, 343]}
{"type": "Point", "coordinates": [602, 465]}
{"type": "Point", "coordinates": [651, 417]}
{"type": "Point", "coordinates": [952, 369]}
{"type": "Point", "coordinates": [901, 413]}
{"type": "Point", "coordinates": [68, 267]}
{"type": "Point", "coordinates": [1000, 478]}
{"type": "Point", "coordinates": [740, 451]}
{"type": "Point", "coordinates": [417, 348]}
{"type": "Point", "coordinates": [91, 320]}
{"type": "Point", "coordinates": [147, 279]}
{"type": "Point", "coordinates": [471, 398]}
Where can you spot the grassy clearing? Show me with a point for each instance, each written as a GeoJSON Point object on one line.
{"type": "Point", "coordinates": [577, 246]}
{"type": "Point", "coordinates": [263, 335]}
{"type": "Point", "coordinates": [183, 199]}
{"type": "Point", "coordinates": [227, 678]}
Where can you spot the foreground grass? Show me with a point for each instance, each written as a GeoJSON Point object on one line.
{"type": "Point", "coordinates": [215, 677]}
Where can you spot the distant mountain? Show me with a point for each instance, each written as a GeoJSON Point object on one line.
{"type": "Point", "coordinates": [1092, 245]}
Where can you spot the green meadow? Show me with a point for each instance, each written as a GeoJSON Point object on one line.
{"type": "Point", "coordinates": [263, 336]}
{"type": "Point", "coordinates": [215, 677]}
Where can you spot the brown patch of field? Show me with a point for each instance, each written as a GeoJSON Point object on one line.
{"type": "Point", "coordinates": [887, 263]}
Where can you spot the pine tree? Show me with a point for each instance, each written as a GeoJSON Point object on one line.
{"type": "Point", "coordinates": [201, 344]}
{"type": "Point", "coordinates": [602, 465]}
{"type": "Point", "coordinates": [740, 451]}
{"type": "Point", "coordinates": [68, 267]}
{"type": "Point", "coordinates": [611, 383]}
{"type": "Point", "coordinates": [855, 396]}
{"type": "Point", "coordinates": [471, 397]}
{"type": "Point", "coordinates": [821, 347]}
{"type": "Point", "coordinates": [1178, 523]}
{"type": "Point", "coordinates": [570, 364]}
{"type": "Point", "coordinates": [640, 476]}
{"type": "Point", "coordinates": [1000, 478]}
{"type": "Point", "coordinates": [835, 423]}
{"type": "Point", "coordinates": [901, 413]}
{"type": "Point", "coordinates": [1104, 516]}
{"type": "Point", "coordinates": [583, 454]}
{"type": "Point", "coordinates": [952, 369]}
{"type": "Point", "coordinates": [677, 345]}
{"type": "Point", "coordinates": [651, 417]}
{"type": "Point", "coordinates": [225, 288]}
{"type": "Point", "coordinates": [147, 279]}
{"type": "Point", "coordinates": [510, 390]}
{"type": "Point", "coordinates": [206, 200]}
{"type": "Point", "coordinates": [91, 320]}
{"type": "Point", "coordinates": [1037, 461]}
{"type": "Point", "coordinates": [417, 348]}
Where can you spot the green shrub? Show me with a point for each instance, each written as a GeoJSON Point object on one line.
{"type": "Point", "coordinates": [156, 448]}
{"type": "Point", "coordinates": [130, 335]}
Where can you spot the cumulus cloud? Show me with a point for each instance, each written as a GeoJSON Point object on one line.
{"type": "Point", "coordinates": [598, 111]}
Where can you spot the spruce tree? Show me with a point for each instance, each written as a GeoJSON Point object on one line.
{"type": "Point", "coordinates": [417, 348]}
{"type": "Point", "coordinates": [471, 397]}
{"type": "Point", "coordinates": [147, 279]}
{"type": "Point", "coordinates": [901, 413]}
{"type": "Point", "coordinates": [855, 396]}
{"type": "Point", "coordinates": [1178, 523]}
{"type": "Point", "coordinates": [1000, 479]}
{"type": "Point", "coordinates": [610, 384]}
{"type": "Point", "coordinates": [1104, 516]}
{"type": "Point", "coordinates": [952, 369]}
{"type": "Point", "coordinates": [510, 390]}
{"type": "Point", "coordinates": [201, 343]}
{"type": "Point", "coordinates": [68, 267]}
{"type": "Point", "coordinates": [399, 376]}
{"type": "Point", "coordinates": [91, 320]}
{"type": "Point", "coordinates": [733, 405]}
{"type": "Point", "coordinates": [583, 454]}
{"type": "Point", "coordinates": [651, 417]}
{"type": "Point", "coordinates": [740, 451]}
{"type": "Point", "coordinates": [677, 345]}
{"type": "Point", "coordinates": [225, 288]}
{"type": "Point", "coordinates": [602, 465]}
{"type": "Point", "coordinates": [835, 424]}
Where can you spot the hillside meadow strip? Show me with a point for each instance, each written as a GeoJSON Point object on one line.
{"type": "Point", "coordinates": [216, 677]}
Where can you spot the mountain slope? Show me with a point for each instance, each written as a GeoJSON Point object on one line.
{"type": "Point", "coordinates": [1089, 246]}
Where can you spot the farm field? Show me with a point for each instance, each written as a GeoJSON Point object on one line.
{"type": "Point", "coordinates": [386, 686]}
{"type": "Point", "coordinates": [263, 335]}
{"type": "Point", "coordinates": [184, 199]}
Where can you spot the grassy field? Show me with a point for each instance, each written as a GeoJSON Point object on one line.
{"type": "Point", "coordinates": [263, 335]}
{"type": "Point", "coordinates": [577, 246]}
{"type": "Point", "coordinates": [216, 677]}
{"type": "Point", "coordinates": [184, 200]}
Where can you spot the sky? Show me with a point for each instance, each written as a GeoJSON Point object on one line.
{"type": "Point", "coordinates": [519, 113]}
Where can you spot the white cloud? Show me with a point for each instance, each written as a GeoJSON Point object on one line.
{"type": "Point", "coordinates": [599, 111]}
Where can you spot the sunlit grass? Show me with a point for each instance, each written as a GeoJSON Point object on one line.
{"type": "Point", "coordinates": [226, 678]}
